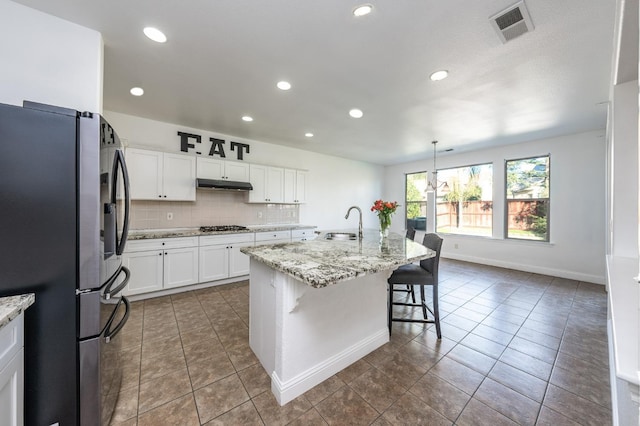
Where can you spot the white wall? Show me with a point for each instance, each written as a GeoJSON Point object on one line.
{"type": "Point", "coordinates": [624, 141]}
{"type": "Point", "coordinates": [48, 60]}
{"type": "Point", "coordinates": [577, 208]}
{"type": "Point", "coordinates": [334, 183]}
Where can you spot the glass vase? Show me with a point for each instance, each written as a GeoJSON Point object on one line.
{"type": "Point", "coordinates": [385, 223]}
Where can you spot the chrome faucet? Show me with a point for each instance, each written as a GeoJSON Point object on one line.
{"type": "Point", "coordinates": [359, 223]}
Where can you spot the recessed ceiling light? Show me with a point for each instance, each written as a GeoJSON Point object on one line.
{"type": "Point", "coordinates": [362, 10]}
{"type": "Point", "coordinates": [439, 75]}
{"type": "Point", "coordinates": [356, 113]}
{"type": "Point", "coordinates": [136, 91]}
{"type": "Point", "coordinates": [247, 118]}
{"type": "Point", "coordinates": [283, 85]}
{"type": "Point", "coordinates": [309, 134]}
{"type": "Point", "coordinates": [155, 34]}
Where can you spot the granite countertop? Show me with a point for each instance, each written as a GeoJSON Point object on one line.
{"type": "Point", "coordinates": [148, 234]}
{"type": "Point", "coordinates": [12, 306]}
{"type": "Point", "coordinates": [321, 262]}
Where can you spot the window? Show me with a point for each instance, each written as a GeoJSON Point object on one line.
{"type": "Point", "coordinates": [464, 200]}
{"type": "Point", "coordinates": [527, 194]}
{"type": "Point", "coordinates": [415, 201]}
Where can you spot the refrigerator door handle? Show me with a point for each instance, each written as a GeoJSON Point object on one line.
{"type": "Point", "coordinates": [119, 162]}
{"type": "Point", "coordinates": [109, 236]}
{"type": "Point", "coordinates": [111, 333]}
{"type": "Point", "coordinates": [108, 292]}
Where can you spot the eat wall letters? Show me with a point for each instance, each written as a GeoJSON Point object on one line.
{"type": "Point", "coordinates": [217, 146]}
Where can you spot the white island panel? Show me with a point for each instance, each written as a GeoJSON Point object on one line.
{"type": "Point", "coordinates": [304, 335]}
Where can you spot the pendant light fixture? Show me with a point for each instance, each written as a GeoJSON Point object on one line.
{"type": "Point", "coordinates": [433, 184]}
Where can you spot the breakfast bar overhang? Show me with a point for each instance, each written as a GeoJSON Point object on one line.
{"type": "Point", "coordinates": [318, 306]}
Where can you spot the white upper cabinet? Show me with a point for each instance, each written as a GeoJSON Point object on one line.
{"type": "Point", "coordinates": [179, 177]}
{"type": "Point", "coordinates": [161, 176]}
{"type": "Point", "coordinates": [145, 173]}
{"type": "Point", "coordinates": [210, 168]}
{"type": "Point", "coordinates": [289, 186]}
{"type": "Point", "coordinates": [295, 186]}
{"type": "Point", "coordinates": [258, 179]}
{"type": "Point", "coordinates": [268, 184]}
{"type": "Point", "coordinates": [236, 171]}
{"type": "Point", "coordinates": [275, 184]}
{"type": "Point", "coordinates": [213, 168]}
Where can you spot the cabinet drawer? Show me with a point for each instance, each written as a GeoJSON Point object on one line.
{"type": "Point", "coordinates": [11, 340]}
{"type": "Point", "coordinates": [160, 244]}
{"type": "Point", "coordinates": [209, 240]}
{"type": "Point", "coordinates": [303, 233]}
{"type": "Point", "coordinates": [274, 235]}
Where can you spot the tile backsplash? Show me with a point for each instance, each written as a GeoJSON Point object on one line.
{"type": "Point", "coordinates": [210, 208]}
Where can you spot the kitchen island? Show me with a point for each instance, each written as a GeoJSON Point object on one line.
{"type": "Point", "coordinates": [318, 306]}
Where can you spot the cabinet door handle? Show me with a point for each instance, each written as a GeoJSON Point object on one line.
{"type": "Point", "coordinates": [165, 253]}
{"type": "Point", "coordinates": [159, 254]}
{"type": "Point", "coordinates": [159, 196]}
{"type": "Point", "coordinates": [165, 196]}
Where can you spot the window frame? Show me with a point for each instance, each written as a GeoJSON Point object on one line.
{"type": "Point", "coordinates": [488, 163]}
{"type": "Point", "coordinates": [406, 201]}
{"type": "Point", "coordinates": [506, 200]}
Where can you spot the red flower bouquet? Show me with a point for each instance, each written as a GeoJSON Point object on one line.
{"type": "Point", "coordinates": [384, 210]}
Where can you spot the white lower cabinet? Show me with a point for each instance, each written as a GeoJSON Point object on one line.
{"type": "Point", "coordinates": [161, 264]}
{"type": "Point", "coordinates": [238, 261]}
{"type": "Point", "coordinates": [220, 256]}
{"type": "Point", "coordinates": [12, 373]}
{"type": "Point", "coordinates": [273, 237]}
{"type": "Point", "coordinates": [180, 267]}
{"type": "Point", "coordinates": [214, 263]}
{"type": "Point", "coordinates": [303, 235]}
{"type": "Point", "coordinates": [146, 271]}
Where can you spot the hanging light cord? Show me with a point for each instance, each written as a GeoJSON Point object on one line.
{"type": "Point", "coordinates": [434, 182]}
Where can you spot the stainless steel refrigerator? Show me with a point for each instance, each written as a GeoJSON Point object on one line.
{"type": "Point", "coordinates": [64, 207]}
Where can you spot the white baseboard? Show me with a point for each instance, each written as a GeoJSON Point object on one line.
{"type": "Point", "coordinates": [291, 389]}
{"type": "Point", "coordinates": [536, 269]}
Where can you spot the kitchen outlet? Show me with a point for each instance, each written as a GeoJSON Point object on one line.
{"type": "Point", "coordinates": [455, 246]}
{"type": "Point", "coordinates": [169, 216]}
{"type": "Point", "coordinates": [259, 215]}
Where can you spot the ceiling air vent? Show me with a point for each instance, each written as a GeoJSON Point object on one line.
{"type": "Point", "coordinates": [512, 22]}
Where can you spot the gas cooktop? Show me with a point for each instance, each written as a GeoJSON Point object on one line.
{"type": "Point", "coordinates": [222, 228]}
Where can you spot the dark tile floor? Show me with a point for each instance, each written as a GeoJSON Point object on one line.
{"type": "Point", "coordinates": [517, 348]}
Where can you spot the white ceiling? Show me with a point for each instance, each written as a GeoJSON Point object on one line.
{"type": "Point", "coordinates": [224, 57]}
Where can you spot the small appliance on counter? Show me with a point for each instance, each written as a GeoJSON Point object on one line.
{"type": "Point", "coordinates": [65, 207]}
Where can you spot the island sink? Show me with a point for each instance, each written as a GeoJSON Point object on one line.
{"type": "Point", "coordinates": [341, 236]}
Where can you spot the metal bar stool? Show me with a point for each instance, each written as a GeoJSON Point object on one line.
{"type": "Point", "coordinates": [425, 273]}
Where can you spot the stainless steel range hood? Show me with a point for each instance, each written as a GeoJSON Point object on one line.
{"type": "Point", "coordinates": [223, 184]}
